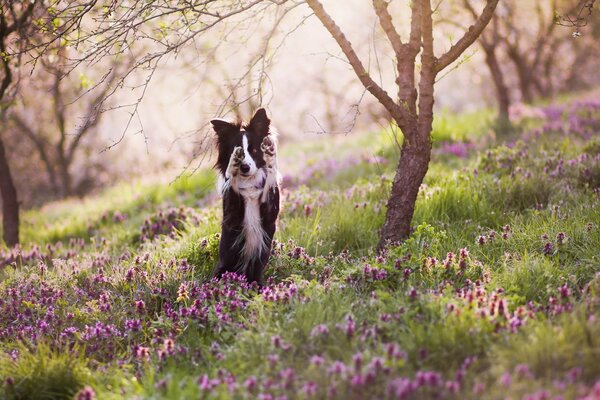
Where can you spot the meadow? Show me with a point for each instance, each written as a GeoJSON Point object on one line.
{"type": "Point", "coordinates": [495, 295]}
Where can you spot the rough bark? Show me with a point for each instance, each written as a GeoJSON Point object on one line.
{"type": "Point", "coordinates": [410, 172]}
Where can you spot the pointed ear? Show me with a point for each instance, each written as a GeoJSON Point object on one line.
{"type": "Point", "coordinates": [220, 125]}
{"type": "Point", "coordinates": [260, 122]}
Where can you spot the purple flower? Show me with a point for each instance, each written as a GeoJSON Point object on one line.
{"type": "Point", "coordinates": [412, 293]}
{"type": "Point", "coordinates": [140, 306]}
{"type": "Point", "coordinates": [357, 359]}
{"type": "Point", "coordinates": [393, 351]}
{"type": "Point", "coordinates": [506, 380]}
{"type": "Point", "coordinates": [453, 386]}
{"type": "Point", "coordinates": [376, 364]}
{"type": "Point", "coordinates": [319, 330]}
{"type": "Point", "coordinates": [87, 393]}
{"type": "Point", "coordinates": [133, 325]}
{"type": "Point", "coordinates": [337, 368]}
{"type": "Point", "coordinates": [310, 388]}
{"type": "Point", "coordinates": [400, 388]}
{"type": "Point", "coordinates": [523, 371]}
{"type": "Point", "coordinates": [206, 384]}
{"type": "Point", "coordinates": [250, 383]}
{"type": "Point", "coordinates": [357, 380]}
{"type": "Point", "coordinates": [317, 360]}
{"type": "Point", "coordinates": [564, 291]}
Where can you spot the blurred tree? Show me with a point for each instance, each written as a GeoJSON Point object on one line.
{"type": "Point", "coordinates": [21, 23]}
{"type": "Point", "coordinates": [55, 137]}
{"type": "Point", "coordinates": [15, 19]}
{"type": "Point", "coordinates": [413, 109]}
{"type": "Point", "coordinates": [531, 46]}
{"type": "Point", "coordinates": [522, 41]}
{"type": "Point", "coordinates": [490, 41]}
{"type": "Point", "coordinates": [543, 57]}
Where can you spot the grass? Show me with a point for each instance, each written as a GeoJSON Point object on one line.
{"type": "Point", "coordinates": [42, 373]}
{"type": "Point", "coordinates": [494, 295]}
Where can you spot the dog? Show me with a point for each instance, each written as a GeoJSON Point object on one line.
{"type": "Point", "coordinates": [249, 185]}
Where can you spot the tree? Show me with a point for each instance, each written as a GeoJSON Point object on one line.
{"type": "Point", "coordinates": [15, 19]}
{"type": "Point", "coordinates": [490, 41]}
{"type": "Point", "coordinates": [56, 137]}
{"type": "Point", "coordinates": [413, 109]}
{"type": "Point", "coordinates": [538, 51]}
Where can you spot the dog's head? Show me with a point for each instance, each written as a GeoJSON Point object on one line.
{"type": "Point", "coordinates": [247, 136]}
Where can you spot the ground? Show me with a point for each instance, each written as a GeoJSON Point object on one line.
{"type": "Point", "coordinates": [495, 294]}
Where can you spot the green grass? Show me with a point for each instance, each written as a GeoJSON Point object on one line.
{"type": "Point", "coordinates": [437, 310]}
{"type": "Point", "coordinates": [93, 216]}
{"type": "Point", "coordinates": [43, 373]}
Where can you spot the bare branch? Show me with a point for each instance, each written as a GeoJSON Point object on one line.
{"type": "Point", "coordinates": [396, 112]}
{"type": "Point", "coordinates": [580, 20]}
{"type": "Point", "coordinates": [469, 37]}
{"type": "Point", "coordinates": [415, 27]}
{"type": "Point", "coordinates": [39, 144]}
{"type": "Point", "coordinates": [385, 20]}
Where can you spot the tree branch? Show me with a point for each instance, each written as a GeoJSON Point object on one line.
{"type": "Point", "coordinates": [364, 77]}
{"type": "Point", "coordinates": [469, 37]}
{"type": "Point", "coordinates": [415, 27]}
{"type": "Point", "coordinates": [427, 76]}
{"type": "Point", "coordinates": [39, 144]}
{"type": "Point", "coordinates": [385, 20]}
{"type": "Point", "coordinates": [24, 15]}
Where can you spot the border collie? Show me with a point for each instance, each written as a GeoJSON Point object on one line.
{"type": "Point", "coordinates": [249, 185]}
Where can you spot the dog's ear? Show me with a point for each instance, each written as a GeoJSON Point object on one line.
{"type": "Point", "coordinates": [260, 122]}
{"type": "Point", "coordinates": [221, 126]}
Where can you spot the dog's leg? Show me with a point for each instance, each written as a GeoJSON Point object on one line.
{"type": "Point", "coordinates": [269, 150]}
{"type": "Point", "coordinates": [230, 246]}
{"type": "Point", "coordinates": [234, 162]}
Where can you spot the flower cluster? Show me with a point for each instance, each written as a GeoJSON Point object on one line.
{"type": "Point", "coordinates": [168, 222]}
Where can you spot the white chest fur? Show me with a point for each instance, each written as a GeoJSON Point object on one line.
{"type": "Point", "coordinates": [254, 235]}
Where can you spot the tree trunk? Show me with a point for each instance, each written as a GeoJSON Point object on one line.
{"type": "Point", "coordinates": [502, 95]}
{"type": "Point", "coordinates": [65, 178]}
{"type": "Point", "coordinates": [411, 170]}
{"type": "Point", "coordinates": [523, 75]}
{"type": "Point", "coordinates": [10, 203]}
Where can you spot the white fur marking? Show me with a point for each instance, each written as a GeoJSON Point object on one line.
{"type": "Point", "coordinates": [247, 156]}
{"type": "Point", "coordinates": [253, 232]}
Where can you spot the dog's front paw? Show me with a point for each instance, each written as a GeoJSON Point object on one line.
{"type": "Point", "coordinates": [268, 146]}
{"type": "Point", "coordinates": [235, 161]}
{"type": "Point", "coordinates": [237, 156]}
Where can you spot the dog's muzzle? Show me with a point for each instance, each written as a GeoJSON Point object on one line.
{"type": "Point", "coordinates": [244, 168]}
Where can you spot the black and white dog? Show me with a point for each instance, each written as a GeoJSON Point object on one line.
{"type": "Point", "coordinates": [249, 185]}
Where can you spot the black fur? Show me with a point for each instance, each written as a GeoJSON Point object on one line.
{"type": "Point", "coordinates": [229, 136]}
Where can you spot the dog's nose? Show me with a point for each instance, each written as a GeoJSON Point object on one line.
{"type": "Point", "coordinates": [245, 168]}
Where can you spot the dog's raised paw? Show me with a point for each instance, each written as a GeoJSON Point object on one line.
{"type": "Point", "coordinates": [268, 146]}
{"type": "Point", "coordinates": [238, 155]}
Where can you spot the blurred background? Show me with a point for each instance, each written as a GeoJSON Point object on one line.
{"type": "Point", "coordinates": [288, 63]}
